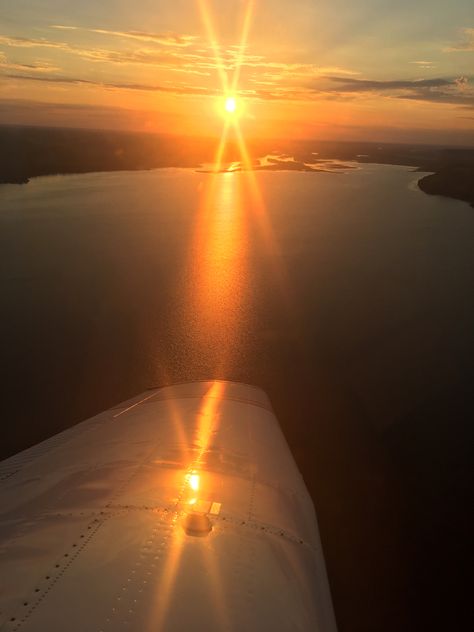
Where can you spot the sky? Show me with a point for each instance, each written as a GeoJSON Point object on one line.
{"type": "Point", "coordinates": [334, 69]}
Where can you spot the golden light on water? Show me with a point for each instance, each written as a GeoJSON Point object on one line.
{"type": "Point", "coordinates": [217, 284]}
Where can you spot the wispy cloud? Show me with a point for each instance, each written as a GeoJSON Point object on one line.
{"type": "Point", "coordinates": [450, 91]}
{"type": "Point", "coordinates": [428, 65]}
{"type": "Point", "coordinates": [193, 58]}
{"type": "Point", "coordinates": [438, 90]}
{"type": "Point", "coordinates": [337, 70]}
{"type": "Point", "coordinates": [37, 66]}
{"type": "Point", "coordinates": [455, 91]}
{"type": "Point", "coordinates": [147, 87]}
{"type": "Point", "coordinates": [29, 42]}
{"type": "Point", "coordinates": [465, 44]}
{"type": "Point", "coordinates": [164, 39]}
{"type": "Point", "coordinates": [363, 85]}
{"type": "Point", "coordinates": [176, 61]}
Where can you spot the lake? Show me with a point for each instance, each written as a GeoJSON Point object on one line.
{"type": "Point", "coordinates": [347, 296]}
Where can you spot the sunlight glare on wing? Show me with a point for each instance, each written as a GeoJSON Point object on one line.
{"type": "Point", "coordinates": [194, 481]}
{"type": "Point", "coordinates": [211, 563]}
{"type": "Point", "coordinates": [205, 427]}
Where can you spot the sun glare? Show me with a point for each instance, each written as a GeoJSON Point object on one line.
{"type": "Point", "coordinates": [230, 105]}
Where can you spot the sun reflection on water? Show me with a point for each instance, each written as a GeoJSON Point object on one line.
{"type": "Point", "coordinates": [218, 281]}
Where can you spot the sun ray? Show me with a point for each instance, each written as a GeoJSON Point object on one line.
{"type": "Point", "coordinates": [210, 562]}
{"type": "Point", "coordinates": [221, 147]}
{"type": "Point", "coordinates": [167, 579]}
{"type": "Point", "coordinates": [243, 44]}
{"type": "Point", "coordinates": [211, 33]}
{"type": "Point", "coordinates": [264, 224]}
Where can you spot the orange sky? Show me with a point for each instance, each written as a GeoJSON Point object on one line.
{"type": "Point", "coordinates": [376, 71]}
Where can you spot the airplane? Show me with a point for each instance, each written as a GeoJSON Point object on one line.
{"type": "Point", "coordinates": [179, 509]}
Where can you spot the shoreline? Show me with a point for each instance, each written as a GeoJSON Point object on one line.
{"type": "Point", "coordinates": [27, 153]}
{"type": "Point", "coordinates": [433, 183]}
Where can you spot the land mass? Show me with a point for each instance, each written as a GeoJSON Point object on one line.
{"type": "Point", "coordinates": [28, 152]}
{"type": "Point", "coordinates": [454, 182]}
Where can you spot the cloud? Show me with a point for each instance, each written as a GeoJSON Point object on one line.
{"type": "Point", "coordinates": [448, 91]}
{"type": "Point", "coordinates": [363, 85]}
{"type": "Point", "coordinates": [262, 77]}
{"type": "Point", "coordinates": [39, 67]}
{"type": "Point", "coordinates": [28, 42]}
{"type": "Point", "coordinates": [336, 70]}
{"type": "Point", "coordinates": [182, 54]}
{"type": "Point", "coordinates": [442, 97]}
{"type": "Point", "coordinates": [33, 67]}
{"type": "Point", "coordinates": [177, 61]}
{"type": "Point", "coordinates": [147, 87]}
{"type": "Point", "coordinates": [465, 45]}
{"type": "Point", "coordinates": [165, 39]}
{"type": "Point", "coordinates": [455, 91]}
{"type": "Point", "coordinates": [423, 64]}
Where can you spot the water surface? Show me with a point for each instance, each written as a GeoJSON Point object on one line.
{"type": "Point", "coordinates": [346, 296]}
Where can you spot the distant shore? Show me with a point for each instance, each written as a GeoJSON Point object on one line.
{"type": "Point", "coordinates": [28, 152]}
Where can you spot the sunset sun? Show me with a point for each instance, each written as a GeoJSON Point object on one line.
{"type": "Point", "coordinates": [230, 105]}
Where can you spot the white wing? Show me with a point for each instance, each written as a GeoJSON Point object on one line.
{"type": "Point", "coordinates": [181, 509]}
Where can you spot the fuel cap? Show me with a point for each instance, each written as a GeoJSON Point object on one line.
{"type": "Point", "coordinates": [197, 524]}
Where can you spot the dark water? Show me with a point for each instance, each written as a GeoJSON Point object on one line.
{"type": "Point", "coordinates": [347, 297]}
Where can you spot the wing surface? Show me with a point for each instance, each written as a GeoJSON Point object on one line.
{"type": "Point", "coordinates": [181, 509]}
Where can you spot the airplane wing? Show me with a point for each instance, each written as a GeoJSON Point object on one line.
{"type": "Point", "coordinates": [181, 509]}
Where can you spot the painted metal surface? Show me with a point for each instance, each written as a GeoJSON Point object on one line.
{"type": "Point", "coordinates": [181, 509]}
